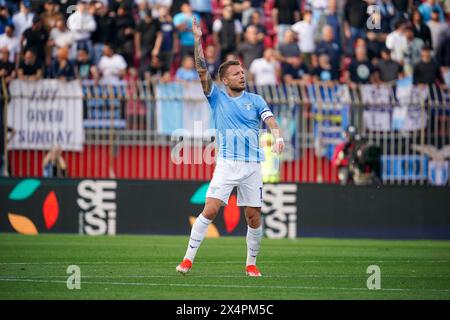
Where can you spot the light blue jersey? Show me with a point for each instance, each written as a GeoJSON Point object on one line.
{"type": "Point", "coordinates": [237, 122]}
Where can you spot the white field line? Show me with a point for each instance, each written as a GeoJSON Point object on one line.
{"type": "Point", "coordinates": [332, 276]}
{"type": "Point", "coordinates": [221, 286]}
{"type": "Point", "coordinates": [225, 262]}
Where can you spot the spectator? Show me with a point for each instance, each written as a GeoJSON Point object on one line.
{"type": "Point", "coordinates": [148, 39]}
{"type": "Point", "coordinates": [152, 5]}
{"type": "Point", "coordinates": [428, 7]}
{"type": "Point", "coordinates": [212, 61]}
{"type": "Point", "coordinates": [154, 70]}
{"type": "Point", "coordinates": [443, 52]}
{"type": "Point", "coordinates": [23, 19]}
{"type": "Point", "coordinates": [37, 6]}
{"type": "Point", "coordinates": [203, 8]}
{"type": "Point", "coordinates": [11, 42]}
{"type": "Point", "coordinates": [355, 19]}
{"type": "Point", "coordinates": [396, 42]}
{"type": "Point", "coordinates": [256, 21]}
{"type": "Point", "coordinates": [248, 14]}
{"type": "Point", "coordinates": [401, 8]}
{"type": "Point", "coordinates": [285, 13]}
{"type": "Point", "coordinates": [105, 31]}
{"type": "Point", "coordinates": [317, 8]}
{"type": "Point", "coordinates": [305, 34]}
{"type": "Point", "coordinates": [60, 37]}
{"type": "Point", "coordinates": [324, 71]}
{"type": "Point", "coordinates": [115, 4]}
{"type": "Point", "coordinates": [5, 18]}
{"type": "Point", "coordinates": [387, 70]}
{"type": "Point", "coordinates": [329, 46]}
{"type": "Point", "coordinates": [437, 29]}
{"type": "Point", "coordinates": [82, 24]}
{"type": "Point", "coordinates": [65, 7]}
{"type": "Point", "coordinates": [427, 70]}
{"type": "Point", "coordinates": [421, 30]}
{"type": "Point", "coordinates": [292, 66]}
{"type": "Point", "coordinates": [227, 32]}
{"type": "Point", "coordinates": [35, 38]}
{"type": "Point", "coordinates": [183, 23]}
{"type": "Point", "coordinates": [374, 43]}
{"type": "Point", "coordinates": [125, 38]}
{"type": "Point", "coordinates": [360, 70]}
{"type": "Point", "coordinates": [84, 67]}
{"type": "Point", "coordinates": [30, 68]}
{"type": "Point", "coordinates": [265, 70]}
{"type": "Point", "coordinates": [62, 68]}
{"type": "Point", "coordinates": [342, 155]}
{"type": "Point", "coordinates": [445, 6]}
{"type": "Point", "coordinates": [239, 7]}
{"type": "Point", "coordinates": [50, 15]}
{"type": "Point", "coordinates": [231, 56]}
{"type": "Point", "coordinates": [413, 51]}
{"type": "Point", "coordinates": [388, 13]}
{"type": "Point", "coordinates": [112, 66]}
{"type": "Point", "coordinates": [251, 48]}
{"type": "Point", "coordinates": [331, 19]}
{"type": "Point", "coordinates": [7, 68]}
{"type": "Point", "coordinates": [54, 165]}
{"type": "Point", "coordinates": [176, 7]}
{"type": "Point", "coordinates": [169, 41]}
{"type": "Point", "coordinates": [187, 71]}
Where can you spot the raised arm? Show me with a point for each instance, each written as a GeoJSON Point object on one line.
{"type": "Point", "coordinates": [200, 61]}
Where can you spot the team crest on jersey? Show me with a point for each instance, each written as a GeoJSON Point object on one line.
{"type": "Point", "coordinates": [247, 105]}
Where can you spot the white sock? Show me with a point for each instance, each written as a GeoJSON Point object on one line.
{"type": "Point", "coordinates": [198, 232]}
{"type": "Point", "coordinates": [253, 243]}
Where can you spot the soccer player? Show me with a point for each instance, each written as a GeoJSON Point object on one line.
{"type": "Point", "coordinates": [237, 114]}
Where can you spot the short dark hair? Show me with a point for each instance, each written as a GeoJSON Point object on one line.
{"type": "Point", "coordinates": [224, 67]}
{"type": "Point", "coordinates": [386, 50]}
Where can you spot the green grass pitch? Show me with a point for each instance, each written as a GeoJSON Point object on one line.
{"type": "Point", "coordinates": [143, 267]}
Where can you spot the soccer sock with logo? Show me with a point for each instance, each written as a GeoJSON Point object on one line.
{"type": "Point", "coordinates": [198, 232]}
{"type": "Point", "coordinates": [253, 243]}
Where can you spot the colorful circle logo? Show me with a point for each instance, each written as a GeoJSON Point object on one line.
{"type": "Point", "coordinates": [231, 212]}
{"type": "Point", "coordinates": [50, 209]}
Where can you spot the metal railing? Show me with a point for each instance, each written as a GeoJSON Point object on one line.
{"type": "Point", "coordinates": [126, 129]}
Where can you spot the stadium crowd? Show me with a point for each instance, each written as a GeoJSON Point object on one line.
{"type": "Point", "coordinates": [277, 40]}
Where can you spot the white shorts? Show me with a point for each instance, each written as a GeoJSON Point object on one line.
{"type": "Point", "coordinates": [246, 176]}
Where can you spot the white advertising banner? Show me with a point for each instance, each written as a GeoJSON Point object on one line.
{"type": "Point", "coordinates": [45, 113]}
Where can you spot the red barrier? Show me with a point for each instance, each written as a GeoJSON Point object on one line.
{"type": "Point", "coordinates": [133, 162]}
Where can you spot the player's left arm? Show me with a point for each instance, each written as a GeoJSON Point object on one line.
{"type": "Point", "coordinates": [275, 130]}
{"type": "Point", "coordinates": [200, 61]}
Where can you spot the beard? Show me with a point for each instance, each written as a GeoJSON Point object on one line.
{"type": "Point", "coordinates": [237, 87]}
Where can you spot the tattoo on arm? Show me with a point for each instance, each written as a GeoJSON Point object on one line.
{"type": "Point", "coordinates": [200, 65]}
{"type": "Point", "coordinates": [200, 62]}
{"type": "Point", "coordinates": [207, 84]}
{"type": "Point", "coordinates": [274, 127]}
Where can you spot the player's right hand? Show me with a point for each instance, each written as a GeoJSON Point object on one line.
{"type": "Point", "coordinates": [278, 147]}
{"type": "Point", "coordinates": [196, 29]}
